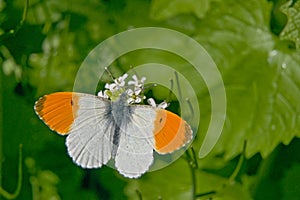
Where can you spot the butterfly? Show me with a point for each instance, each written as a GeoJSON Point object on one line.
{"type": "Point", "coordinates": [113, 127]}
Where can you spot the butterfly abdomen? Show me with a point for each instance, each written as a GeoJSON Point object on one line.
{"type": "Point", "coordinates": [120, 117]}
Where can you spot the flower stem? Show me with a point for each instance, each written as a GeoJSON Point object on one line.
{"type": "Point", "coordinates": [193, 165]}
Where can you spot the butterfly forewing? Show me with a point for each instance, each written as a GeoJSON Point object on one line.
{"type": "Point", "coordinates": [89, 131]}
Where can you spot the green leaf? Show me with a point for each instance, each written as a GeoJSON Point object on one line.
{"type": "Point", "coordinates": [292, 29]}
{"type": "Point", "coordinates": [261, 82]}
{"type": "Point", "coordinates": [249, 89]}
{"type": "Point", "coordinates": [164, 9]}
{"type": "Point", "coordinates": [263, 101]}
{"type": "Point", "coordinates": [285, 120]}
{"type": "Point", "coordinates": [232, 29]}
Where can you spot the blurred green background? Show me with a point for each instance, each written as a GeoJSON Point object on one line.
{"type": "Point", "coordinates": [255, 45]}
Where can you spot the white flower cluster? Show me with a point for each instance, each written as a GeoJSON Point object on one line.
{"type": "Point", "coordinates": [162, 105]}
{"type": "Point", "coordinates": [134, 90]}
{"type": "Point", "coordinates": [113, 90]}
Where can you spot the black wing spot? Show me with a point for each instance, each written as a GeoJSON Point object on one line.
{"type": "Point", "coordinates": [160, 120]}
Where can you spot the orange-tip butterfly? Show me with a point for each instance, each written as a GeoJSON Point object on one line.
{"type": "Point", "coordinates": [113, 126]}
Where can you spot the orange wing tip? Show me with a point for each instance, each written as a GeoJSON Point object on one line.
{"type": "Point", "coordinates": [170, 132]}
{"type": "Point", "coordinates": [57, 110]}
{"type": "Point", "coordinates": [176, 144]}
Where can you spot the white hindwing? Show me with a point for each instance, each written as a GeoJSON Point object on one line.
{"type": "Point", "coordinates": [135, 152]}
